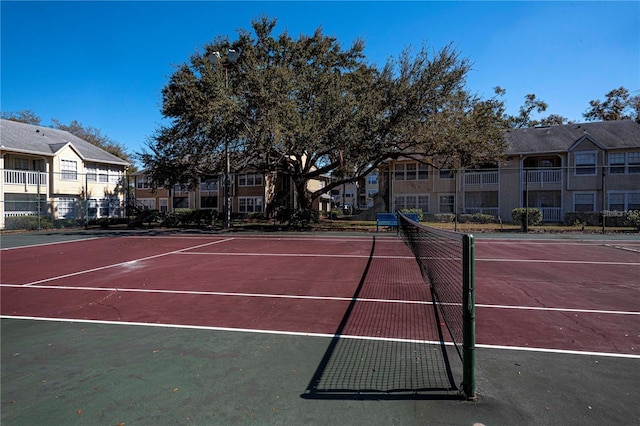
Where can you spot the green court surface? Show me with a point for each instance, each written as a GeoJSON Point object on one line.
{"type": "Point", "coordinates": [104, 374]}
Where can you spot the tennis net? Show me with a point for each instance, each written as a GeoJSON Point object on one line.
{"type": "Point", "coordinates": [446, 261]}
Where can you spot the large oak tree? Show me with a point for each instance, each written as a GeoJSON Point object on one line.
{"type": "Point", "coordinates": [308, 107]}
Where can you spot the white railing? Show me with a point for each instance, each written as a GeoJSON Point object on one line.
{"type": "Point", "coordinates": [542, 176]}
{"type": "Point", "coordinates": [481, 178]}
{"type": "Point", "coordinates": [25, 177]}
{"type": "Point", "coordinates": [18, 213]}
{"type": "Point", "coordinates": [551, 214]}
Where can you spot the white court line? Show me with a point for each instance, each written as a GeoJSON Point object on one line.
{"type": "Point", "coordinates": [554, 242]}
{"type": "Point", "coordinates": [571, 262]}
{"type": "Point", "coordinates": [348, 256]}
{"type": "Point", "coordinates": [541, 308]}
{"type": "Point", "coordinates": [325, 335]}
{"type": "Point", "coordinates": [302, 297]}
{"type": "Point", "coordinates": [619, 247]}
{"type": "Point", "coordinates": [219, 293]}
{"type": "Point", "coordinates": [86, 271]}
{"type": "Point", "coordinates": [338, 238]}
{"type": "Point", "coordinates": [51, 244]}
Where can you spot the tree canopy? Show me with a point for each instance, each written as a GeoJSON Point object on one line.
{"type": "Point", "coordinates": [618, 105]}
{"type": "Point", "coordinates": [308, 107]}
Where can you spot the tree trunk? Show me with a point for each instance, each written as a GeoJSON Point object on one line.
{"type": "Point", "coordinates": [302, 194]}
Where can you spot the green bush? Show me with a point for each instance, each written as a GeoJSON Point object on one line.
{"type": "Point", "coordinates": [484, 218]}
{"type": "Point", "coordinates": [519, 215]}
{"type": "Point", "coordinates": [444, 217]}
{"type": "Point", "coordinates": [583, 219]}
{"type": "Point", "coordinates": [633, 219]}
{"type": "Point", "coordinates": [28, 223]}
{"type": "Point", "coordinates": [476, 218]}
{"type": "Point", "coordinates": [465, 218]}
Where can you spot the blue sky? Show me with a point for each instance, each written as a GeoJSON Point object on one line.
{"type": "Point", "coordinates": [105, 63]}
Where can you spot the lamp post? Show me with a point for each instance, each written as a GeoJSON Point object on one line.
{"type": "Point", "coordinates": [216, 59]}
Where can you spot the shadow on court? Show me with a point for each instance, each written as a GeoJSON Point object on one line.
{"type": "Point", "coordinates": [357, 366]}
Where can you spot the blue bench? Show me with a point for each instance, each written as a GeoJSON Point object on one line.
{"type": "Point", "coordinates": [391, 219]}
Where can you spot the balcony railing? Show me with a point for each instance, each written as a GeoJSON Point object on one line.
{"type": "Point", "coordinates": [25, 177]}
{"type": "Point", "coordinates": [21, 213]}
{"type": "Point", "coordinates": [481, 178]}
{"type": "Point", "coordinates": [542, 176]}
{"type": "Point", "coordinates": [551, 214]}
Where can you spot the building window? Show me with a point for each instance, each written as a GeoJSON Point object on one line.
{"type": "Point", "coordinates": [142, 183]}
{"type": "Point", "coordinates": [411, 171]}
{"type": "Point", "coordinates": [446, 203]}
{"type": "Point", "coordinates": [633, 159]}
{"type": "Point", "coordinates": [66, 207]}
{"type": "Point", "coordinates": [147, 203]}
{"type": "Point", "coordinates": [446, 173]}
{"type": "Point", "coordinates": [208, 202]}
{"type": "Point", "coordinates": [180, 202]}
{"type": "Point", "coordinates": [417, 201]}
{"type": "Point", "coordinates": [617, 163]}
{"type": "Point", "coordinates": [103, 174]}
{"type": "Point", "coordinates": [623, 201]}
{"type": "Point", "coordinates": [584, 202]}
{"type": "Point", "coordinates": [164, 205]}
{"type": "Point", "coordinates": [620, 162]}
{"type": "Point", "coordinates": [585, 163]}
{"type": "Point", "coordinates": [69, 170]}
{"type": "Point", "coordinates": [249, 204]}
{"type": "Point", "coordinates": [250, 179]}
{"type": "Point", "coordinates": [91, 173]}
{"type": "Point", "coordinates": [372, 179]}
{"type": "Point", "coordinates": [115, 176]}
{"type": "Point", "coordinates": [21, 163]}
{"type": "Point", "coordinates": [616, 201]}
{"type": "Point", "coordinates": [209, 184]}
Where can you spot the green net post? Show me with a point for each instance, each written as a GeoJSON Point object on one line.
{"type": "Point", "coordinates": [469, 320]}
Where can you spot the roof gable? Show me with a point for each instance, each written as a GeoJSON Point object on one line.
{"type": "Point", "coordinates": [46, 141]}
{"type": "Point", "coordinates": [582, 140]}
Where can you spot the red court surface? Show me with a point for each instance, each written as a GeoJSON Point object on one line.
{"type": "Point", "coordinates": [542, 295]}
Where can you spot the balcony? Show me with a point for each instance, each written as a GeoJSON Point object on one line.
{"type": "Point", "coordinates": [541, 177]}
{"type": "Point", "coordinates": [481, 179]}
{"type": "Point", "coordinates": [551, 214]}
{"type": "Point", "coordinates": [27, 180]}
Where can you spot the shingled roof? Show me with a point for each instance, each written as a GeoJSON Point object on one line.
{"type": "Point", "coordinates": [46, 141]}
{"type": "Point", "coordinates": [609, 135]}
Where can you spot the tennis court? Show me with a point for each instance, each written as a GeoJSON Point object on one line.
{"type": "Point", "coordinates": [240, 328]}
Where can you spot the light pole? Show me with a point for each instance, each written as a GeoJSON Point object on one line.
{"type": "Point", "coordinates": [216, 59]}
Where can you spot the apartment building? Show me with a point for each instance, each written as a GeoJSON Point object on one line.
{"type": "Point", "coordinates": [359, 195]}
{"type": "Point", "coordinates": [50, 172]}
{"type": "Point", "coordinates": [249, 192]}
{"type": "Point", "coordinates": [588, 167]}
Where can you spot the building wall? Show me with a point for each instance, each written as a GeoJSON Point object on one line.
{"type": "Point", "coordinates": [556, 183]}
{"type": "Point", "coordinates": [66, 189]}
